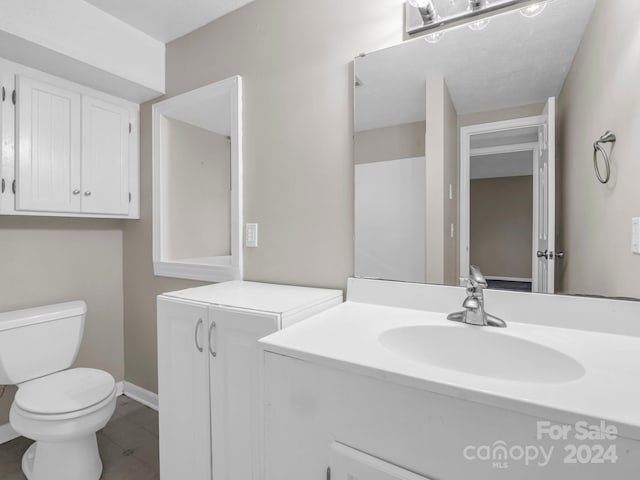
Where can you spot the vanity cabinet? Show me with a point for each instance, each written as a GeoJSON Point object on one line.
{"type": "Point", "coordinates": [208, 365]}
{"type": "Point", "coordinates": [66, 150]}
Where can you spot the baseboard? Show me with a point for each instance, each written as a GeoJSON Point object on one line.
{"type": "Point", "coordinates": [7, 433]}
{"type": "Point", "coordinates": [140, 395]}
{"type": "Point", "coordinates": [509, 279]}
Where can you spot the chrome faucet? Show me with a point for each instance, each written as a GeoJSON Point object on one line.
{"type": "Point", "coordinates": [474, 313]}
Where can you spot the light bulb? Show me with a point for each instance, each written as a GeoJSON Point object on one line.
{"type": "Point", "coordinates": [434, 37]}
{"type": "Point", "coordinates": [533, 10]}
{"type": "Point", "coordinates": [419, 3]}
{"type": "Point", "coordinates": [479, 25]}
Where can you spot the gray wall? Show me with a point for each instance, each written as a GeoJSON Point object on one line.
{"type": "Point", "coordinates": [441, 141]}
{"type": "Point", "coordinates": [197, 164]}
{"type": "Point", "coordinates": [501, 226]}
{"type": "Point", "coordinates": [53, 260]}
{"type": "Point", "coordinates": [390, 143]}
{"type": "Point", "coordinates": [298, 103]}
{"type": "Point", "coordinates": [595, 219]}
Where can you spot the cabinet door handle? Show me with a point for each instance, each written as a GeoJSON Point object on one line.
{"type": "Point", "coordinates": [211, 349]}
{"type": "Point", "coordinates": [87, 193]}
{"type": "Point", "coordinates": [76, 191]}
{"type": "Point", "coordinates": [198, 327]}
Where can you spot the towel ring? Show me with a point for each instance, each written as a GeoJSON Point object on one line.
{"type": "Point", "coordinates": [608, 137]}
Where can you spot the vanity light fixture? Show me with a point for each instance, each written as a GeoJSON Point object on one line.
{"type": "Point", "coordinates": [478, 6]}
{"type": "Point", "coordinates": [434, 37]}
{"type": "Point", "coordinates": [533, 10]}
{"type": "Point", "coordinates": [426, 9]}
{"type": "Point", "coordinates": [479, 25]}
{"type": "Point", "coordinates": [426, 15]}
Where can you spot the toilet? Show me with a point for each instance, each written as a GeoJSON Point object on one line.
{"type": "Point", "coordinates": [60, 408]}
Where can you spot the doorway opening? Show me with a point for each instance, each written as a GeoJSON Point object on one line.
{"type": "Point", "coordinates": [507, 202]}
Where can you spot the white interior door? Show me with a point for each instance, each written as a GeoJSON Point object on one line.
{"type": "Point", "coordinates": [544, 247]}
{"type": "Point", "coordinates": [105, 157]}
{"type": "Point", "coordinates": [48, 147]}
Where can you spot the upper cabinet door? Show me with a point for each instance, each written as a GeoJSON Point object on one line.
{"type": "Point", "coordinates": [105, 157]}
{"type": "Point", "coordinates": [48, 147]}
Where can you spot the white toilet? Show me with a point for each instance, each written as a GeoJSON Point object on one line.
{"type": "Point", "coordinates": [58, 408]}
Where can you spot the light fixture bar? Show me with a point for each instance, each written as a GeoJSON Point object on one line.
{"type": "Point", "coordinates": [431, 22]}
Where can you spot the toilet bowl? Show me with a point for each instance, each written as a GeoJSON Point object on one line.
{"type": "Point", "coordinates": [58, 408]}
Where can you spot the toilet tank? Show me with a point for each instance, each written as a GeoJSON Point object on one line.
{"type": "Point", "coordinates": [39, 341]}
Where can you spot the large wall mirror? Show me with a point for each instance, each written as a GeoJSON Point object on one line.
{"type": "Point", "coordinates": [197, 187]}
{"type": "Point", "coordinates": [475, 146]}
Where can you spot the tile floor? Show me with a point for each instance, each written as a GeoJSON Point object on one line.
{"type": "Point", "coordinates": [128, 446]}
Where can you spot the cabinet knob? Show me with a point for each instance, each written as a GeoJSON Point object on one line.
{"type": "Point", "coordinates": [87, 193]}
{"type": "Point", "coordinates": [76, 191]}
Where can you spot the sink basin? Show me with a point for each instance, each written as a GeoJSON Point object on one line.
{"type": "Point", "coordinates": [482, 351]}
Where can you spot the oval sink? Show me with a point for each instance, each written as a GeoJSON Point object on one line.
{"type": "Point", "coordinates": [482, 351]}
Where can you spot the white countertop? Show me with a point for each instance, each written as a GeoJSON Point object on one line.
{"type": "Point", "coordinates": [346, 337]}
{"type": "Point", "coordinates": [263, 297]}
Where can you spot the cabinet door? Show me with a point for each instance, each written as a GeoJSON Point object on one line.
{"type": "Point", "coordinates": [350, 464]}
{"type": "Point", "coordinates": [48, 147]}
{"type": "Point", "coordinates": [183, 391]}
{"type": "Point", "coordinates": [7, 132]}
{"type": "Point", "coordinates": [105, 157]}
{"type": "Point", "coordinates": [233, 337]}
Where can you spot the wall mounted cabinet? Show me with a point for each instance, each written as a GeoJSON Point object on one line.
{"type": "Point", "coordinates": [208, 365]}
{"type": "Point", "coordinates": [67, 150]}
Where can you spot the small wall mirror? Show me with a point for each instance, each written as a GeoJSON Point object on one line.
{"type": "Point", "coordinates": [197, 183]}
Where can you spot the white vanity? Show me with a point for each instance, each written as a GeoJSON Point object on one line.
{"type": "Point", "coordinates": [384, 387]}
{"type": "Point", "coordinates": [208, 372]}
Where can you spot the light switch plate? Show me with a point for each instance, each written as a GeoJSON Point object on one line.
{"type": "Point", "coordinates": [252, 235]}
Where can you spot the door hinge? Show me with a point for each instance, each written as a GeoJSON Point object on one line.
{"type": "Point", "coordinates": [129, 127]}
{"type": "Point", "coordinates": [13, 97]}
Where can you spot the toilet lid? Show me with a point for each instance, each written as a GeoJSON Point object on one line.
{"type": "Point", "coordinates": [65, 392]}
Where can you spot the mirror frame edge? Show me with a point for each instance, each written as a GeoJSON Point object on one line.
{"type": "Point", "coordinates": [191, 271]}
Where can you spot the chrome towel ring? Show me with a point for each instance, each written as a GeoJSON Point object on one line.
{"type": "Point", "coordinates": [608, 137]}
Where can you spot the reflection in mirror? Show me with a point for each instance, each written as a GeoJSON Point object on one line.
{"type": "Point", "coordinates": [196, 190]}
{"type": "Point", "coordinates": [476, 147]}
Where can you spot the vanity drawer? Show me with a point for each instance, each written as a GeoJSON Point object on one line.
{"type": "Point", "coordinates": [350, 464]}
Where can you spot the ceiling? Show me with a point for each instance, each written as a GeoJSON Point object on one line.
{"type": "Point", "coordinates": [166, 20]}
{"type": "Point", "coordinates": [213, 114]}
{"type": "Point", "coordinates": [514, 61]}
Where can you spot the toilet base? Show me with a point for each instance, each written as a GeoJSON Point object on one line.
{"type": "Point", "coordinates": [77, 459]}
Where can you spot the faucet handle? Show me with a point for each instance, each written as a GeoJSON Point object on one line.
{"type": "Point", "coordinates": [471, 303]}
{"type": "Point", "coordinates": [476, 277]}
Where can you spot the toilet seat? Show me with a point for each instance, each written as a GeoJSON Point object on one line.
{"type": "Point", "coordinates": [63, 394]}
